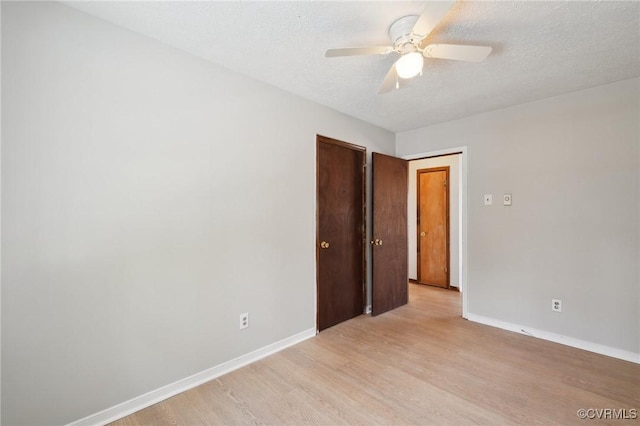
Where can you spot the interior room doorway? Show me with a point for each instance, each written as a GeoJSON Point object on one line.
{"type": "Point", "coordinates": [455, 159]}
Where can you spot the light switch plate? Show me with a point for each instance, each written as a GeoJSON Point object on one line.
{"type": "Point", "coordinates": [506, 199]}
{"type": "Point", "coordinates": [488, 199]}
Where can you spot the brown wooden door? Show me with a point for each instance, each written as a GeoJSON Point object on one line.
{"type": "Point", "coordinates": [389, 246]}
{"type": "Point", "coordinates": [433, 226]}
{"type": "Point", "coordinates": [340, 231]}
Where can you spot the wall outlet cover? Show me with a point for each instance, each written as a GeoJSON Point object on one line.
{"type": "Point", "coordinates": [244, 320]}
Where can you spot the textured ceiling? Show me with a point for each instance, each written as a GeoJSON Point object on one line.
{"type": "Point", "coordinates": [540, 49]}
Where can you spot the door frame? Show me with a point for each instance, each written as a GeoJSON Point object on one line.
{"type": "Point", "coordinates": [448, 220]}
{"type": "Point", "coordinates": [464, 252]}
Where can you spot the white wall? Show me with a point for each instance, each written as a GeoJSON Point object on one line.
{"type": "Point", "coordinates": [572, 165]}
{"type": "Point", "coordinates": [148, 198]}
{"type": "Point", "coordinates": [453, 161]}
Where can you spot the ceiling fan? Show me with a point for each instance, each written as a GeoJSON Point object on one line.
{"type": "Point", "coordinates": [408, 35]}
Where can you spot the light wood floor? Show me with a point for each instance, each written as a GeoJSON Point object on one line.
{"type": "Point", "coordinates": [420, 364]}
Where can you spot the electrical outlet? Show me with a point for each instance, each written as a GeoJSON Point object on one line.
{"type": "Point", "coordinates": [244, 320]}
{"type": "Point", "coordinates": [556, 305]}
{"type": "Point", "coordinates": [488, 199]}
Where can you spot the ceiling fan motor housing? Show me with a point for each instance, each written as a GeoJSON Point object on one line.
{"type": "Point", "coordinates": [402, 36]}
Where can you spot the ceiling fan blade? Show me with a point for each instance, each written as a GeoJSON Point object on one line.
{"type": "Point", "coordinates": [391, 81]}
{"type": "Point", "coordinates": [432, 15]}
{"type": "Point", "coordinates": [457, 52]}
{"type": "Point", "coordinates": [355, 51]}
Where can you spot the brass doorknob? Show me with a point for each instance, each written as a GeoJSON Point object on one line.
{"type": "Point", "coordinates": [377, 242]}
{"type": "Point", "coordinates": [422, 234]}
{"type": "Point", "coordinates": [324, 245]}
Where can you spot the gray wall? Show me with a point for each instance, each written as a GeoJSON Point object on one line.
{"type": "Point", "coordinates": [572, 165]}
{"type": "Point", "coordinates": [148, 198]}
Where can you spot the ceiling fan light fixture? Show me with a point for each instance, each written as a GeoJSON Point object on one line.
{"type": "Point", "coordinates": [409, 65]}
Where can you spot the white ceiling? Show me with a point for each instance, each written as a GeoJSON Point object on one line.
{"type": "Point", "coordinates": [540, 49]}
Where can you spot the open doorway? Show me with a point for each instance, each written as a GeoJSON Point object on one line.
{"type": "Point", "coordinates": [455, 161]}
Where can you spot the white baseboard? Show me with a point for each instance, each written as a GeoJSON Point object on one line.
{"type": "Point", "coordinates": [143, 401]}
{"type": "Point", "coordinates": [558, 338]}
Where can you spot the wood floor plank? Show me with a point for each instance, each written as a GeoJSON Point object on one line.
{"type": "Point", "coordinates": [418, 364]}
